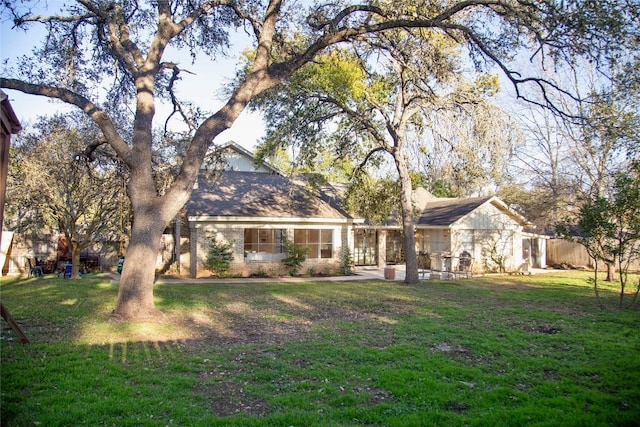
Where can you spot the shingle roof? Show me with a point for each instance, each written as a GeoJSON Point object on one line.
{"type": "Point", "coordinates": [444, 212]}
{"type": "Point", "coordinates": [251, 194]}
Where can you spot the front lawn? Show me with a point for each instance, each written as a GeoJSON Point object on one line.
{"type": "Point", "coordinates": [532, 350]}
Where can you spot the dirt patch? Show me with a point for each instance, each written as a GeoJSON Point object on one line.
{"type": "Point", "coordinates": [451, 349]}
{"type": "Point", "coordinates": [544, 329]}
{"type": "Point", "coordinates": [228, 398]}
{"type": "Point", "coordinates": [456, 406]}
{"type": "Point", "coordinates": [377, 395]}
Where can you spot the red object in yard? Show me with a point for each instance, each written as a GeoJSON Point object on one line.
{"type": "Point", "coordinates": [389, 273]}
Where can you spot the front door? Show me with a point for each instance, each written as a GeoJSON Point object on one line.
{"type": "Point", "coordinates": [395, 247]}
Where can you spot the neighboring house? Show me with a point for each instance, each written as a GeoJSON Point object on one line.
{"type": "Point", "coordinates": [257, 208]}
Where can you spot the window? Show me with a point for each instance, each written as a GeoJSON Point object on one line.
{"type": "Point", "coordinates": [263, 244]}
{"type": "Point", "coordinates": [320, 242]}
{"type": "Point", "coordinates": [466, 241]}
{"type": "Point", "coordinates": [423, 242]}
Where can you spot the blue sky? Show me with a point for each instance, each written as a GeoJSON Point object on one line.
{"type": "Point", "coordinates": [200, 87]}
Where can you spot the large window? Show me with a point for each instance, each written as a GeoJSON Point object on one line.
{"type": "Point", "coordinates": [263, 244]}
{"type": "Point", "coordinates": [320, 242]}
{"type": "Point", "coordinates": [366, 247]}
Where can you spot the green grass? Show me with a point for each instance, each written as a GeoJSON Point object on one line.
{"type": "Point", "coordinates": [516, 351]}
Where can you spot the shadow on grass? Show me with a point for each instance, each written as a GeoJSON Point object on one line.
{"type": "Point", "coordinates": [77, 310]}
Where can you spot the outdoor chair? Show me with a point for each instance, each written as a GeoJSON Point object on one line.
{"type": "Point", "coordinates": [465, 266]}
{"type": "Point", "coordinates": [34, 270]}
{"type": "Point", "coordinates": [424, 263]}
{"type": "Point", "coordinates": [66, 273]}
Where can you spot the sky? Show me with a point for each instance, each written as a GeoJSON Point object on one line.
{"type": "Point", "coordinates": [201, 87]}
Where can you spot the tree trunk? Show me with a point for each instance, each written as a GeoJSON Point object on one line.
{"type": "Point", "coordinates": [411, 258]}
{"type": "Point", "coordinates": [595, 283]}
{"type": "Point", "coordinates": [610, 272]}
{"type": "Point", "coordinates": [135, 293]}
{"type": "Point", "coordinates": [75, 261]}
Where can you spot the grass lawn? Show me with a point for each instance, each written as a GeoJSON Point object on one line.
{"type": "Point", "coordinates": [516, 351]}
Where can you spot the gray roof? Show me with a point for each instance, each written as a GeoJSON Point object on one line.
{"type": "Point", "coordinates": [444, 212]}
{"type": "Point", "coordinates": [251, 194]}
{"type": "Point", "coordinates": [263, 195]}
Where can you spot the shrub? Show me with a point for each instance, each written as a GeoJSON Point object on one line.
{"type": "Point", "coordinates": [295, 256]}
{"type": "Point", "coordinates": [346, 261]}
{"type": "Point", "coordinates": [219, 257]}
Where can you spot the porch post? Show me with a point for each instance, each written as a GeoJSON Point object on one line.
{"type": "Point", "coordinates": [382, 248]}
{"type": "Point", "coordinates": [176, 242]}
{"type": "Point", "coordinates": [193, 249]}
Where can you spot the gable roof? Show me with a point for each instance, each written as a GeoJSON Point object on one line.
{"type": "Point", "coordinates": [445, 212]}
{"type": "Point", "coordinates": [258, 195]}
{"type": "Point", "coordinates": [241, 159]}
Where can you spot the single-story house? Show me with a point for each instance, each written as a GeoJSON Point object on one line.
{"type": "Point", "coordinates": [257, 208]}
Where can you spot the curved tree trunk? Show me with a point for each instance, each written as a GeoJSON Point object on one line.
{"type": "Point", "coordinates": [408, 226]}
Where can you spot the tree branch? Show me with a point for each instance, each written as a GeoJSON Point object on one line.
{"type": "Point", "coordinates": [101, 118]}
{"type": "Point", "coordinates": [177, 106]}
{"type": "Point", "coordinates": [364, 162]}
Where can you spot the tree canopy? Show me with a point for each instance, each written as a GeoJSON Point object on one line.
{"type": "Point", "coordinates": [379, 96]}
{"type": "Point", "coordinates": [64, 179]}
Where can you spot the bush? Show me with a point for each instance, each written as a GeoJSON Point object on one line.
{"type": "Point", "coordinates": [346, 261]}
{"type": "Point", "coordinates": [295, 257]}
{"type": "Point", "coordinates": [219, 257]}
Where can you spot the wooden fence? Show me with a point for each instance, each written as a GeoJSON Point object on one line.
{"type": "Point", "coordinates": [560, 251]}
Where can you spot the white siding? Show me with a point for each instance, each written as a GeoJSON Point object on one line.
{"type": "Point", "coordinates": [492, 234]}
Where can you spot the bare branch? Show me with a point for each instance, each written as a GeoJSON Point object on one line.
{"type": "Point", "coordinates": [101, 118]}
{"type": "Point", "coordinates": [366, 159]}
{"type": "Point", "coordinates": [177, 106]}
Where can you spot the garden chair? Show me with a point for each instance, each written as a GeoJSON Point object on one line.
{"type": "Point", "coordinates": [66, 273]}
{"type": "Point", "coordinates": [465, 266]}
{"type": "Point", "coordinates": [34, 270]}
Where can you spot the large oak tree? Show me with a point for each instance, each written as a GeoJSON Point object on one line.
{"type": "Point", "coordinates": [98, 54]}
{"type": "Point", "coordinates": [380, 97]}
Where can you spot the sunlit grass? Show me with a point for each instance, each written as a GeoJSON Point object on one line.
{"type": "Point", "coordinates": [504, 350]}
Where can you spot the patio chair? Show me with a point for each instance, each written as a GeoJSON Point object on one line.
{"type": "Point", "coordinates": [66, 273]}
{"type": "Point", "coordinates": [424, 263]}
{"type": "Point", "coordinates": [465, 266]}
{"type": "Point", "coordinates": [34, 270]}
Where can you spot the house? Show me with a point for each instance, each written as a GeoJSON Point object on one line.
{"type": "Point", "coordinates": [484, 227]}
{"type": "Point", "coordinates": [257, 208]}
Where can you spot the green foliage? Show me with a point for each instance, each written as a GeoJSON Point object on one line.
{"type": "Point", "coordinates": [346, 260]}
{"type": "Point", "coordinates": [219, 256]}
{"type": "Point", "coordinates": [339, 75]}
{"type": "Point", "coordinates": [418, 180]}
{"type": "Point", "coordinates": [373, 199]}
{"type": "Point", "coordinates": [441, 188]}
{"type": "Point", "coordinates": [296, 255]}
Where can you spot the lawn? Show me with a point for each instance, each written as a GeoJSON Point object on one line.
{"type": "Point", "coordinates": [527, 350]}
